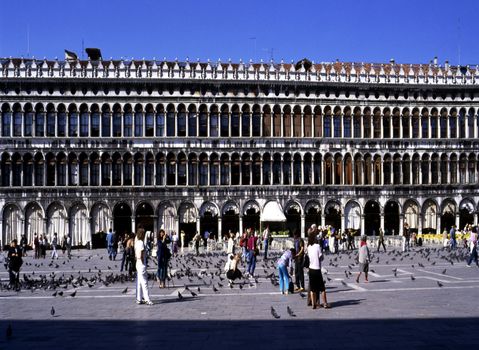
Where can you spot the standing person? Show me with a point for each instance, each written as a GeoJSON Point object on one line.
{"type": "Point", "coordinates": [182, 236]}
{"type": "Point", "coordinates": [299, 262]}
{"type": "Point", "coordinates": [316, 282]}
{"type": "Point", "coordinates": [196, 241]}
{"type": "Point", "coordinates": [142, 295]}
{"type": "Point", "coordinates": [206, 237]}
{"type": "Point", "coordinates": [15, 262]}
{"type": "Point", "coordinates": [163, 254]}
{"type": "Point", "coordinates": [54, 246]}
{"type": "Point", "coordinates": [69, 246]}
{"type": "Point", "coordinates": [109, 243]}
{"type": "Point", "coordinates": [230, 250]}
{"type": "Point", "coordinates": [64, 244]}
{"type": "Point", "coordinates": [452, 233]}
{"type": "Point", "coordinates": [266, 236]}
{"type": "Point", "coordinates": [130, 254]}
{"type": "Point", "coordinates": [251, 252]}
{"type": "Point", "coordinates": [285, 261]}
{"type": "Point", "coordinates": [174, 243]}
{"type": "Point", "coordinates": [406, 237]}
{"type": "Point", "coordinates": [124, 241]}
{"type": "Point", "coordinates": [381, 239]}
{"type": "Point", "coordinates": [43, 245]}
{"type": "Point", "coordinates": [23, 244]}
{"type": "Point", "coordinates": [36, 246]}
{"type": "Point", "coordinates": [473, 248]}
{"type": "Point", "coordinates": [364, 259]}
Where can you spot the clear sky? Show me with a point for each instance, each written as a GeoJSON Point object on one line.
{"type": "Point", "coordinates": [410, 31]}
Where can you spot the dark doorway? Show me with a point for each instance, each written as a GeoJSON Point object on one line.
{"type": "Point", "coordinates": [230, 222]}
{"type": "Point", "coordinates": [209, 222]}
{"type": "Point", "coordinates": [145, 217]}
{"type": "Point", "coordinates": [313, 216]}
{"type": "Point", "coordinates": [391, 218]}
{"type": "Point", "coordinates": [293, 220]}
{"type": "Point", "coordinates": [333, 217]}
{"type": "Point", "coordinates": [371, 218]}
{"type": "Point", "coordinates": [448, 219]}
{"type": "Point", "coordinates": [122, 218]}
{"type": "Point", "coordinates": [465, 217]}
{"type": "Point", "coordinates": [251, 219]}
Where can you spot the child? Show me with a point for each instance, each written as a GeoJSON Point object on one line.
{"type": "Point", "coordinates": [364, 259]}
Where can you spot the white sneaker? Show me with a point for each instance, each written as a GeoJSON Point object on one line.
{"type": "Point", "coordinates": [149, 303]}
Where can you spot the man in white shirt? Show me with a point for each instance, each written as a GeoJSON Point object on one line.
{"type": "Point", "coordinates": [266, 237]}
{"type": "Point", "coordinates": [142, 295]}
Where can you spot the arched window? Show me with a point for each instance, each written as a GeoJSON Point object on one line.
{"type": "Point", "coordinates": [338, 169]}
{"type": "Point", "coordinates": [149, 169]}
{"type": "Point", "coordinates": [307, 169]}
{"type": "Point", "coordinates": [203, 165]}
{"type": "Point", "coordinates": [117, 169]}
{"type": "Point", "coordinates": [214, 169]}
{"type": "Point", "coordinates": [287, 121]}
{"type": "Point", "coordinates": [444, 169]}
{"type": "Point", "coordinates": [277, 121]}
{"type": "Point", "coordinates": [357, 124]}
{"type": "Point", "coordinates": [160, 121]}
{"type": "Point", "coordinates": [397, 170]}
{"type": "Point", "coordinates": [139, 119]}
{"type": "Point", "coordinates": [192, 170]}
{"type": "Point", "coordinates": [308, 122]}
{"type": "Point", "coordinates": [287, 169]}
{"type": "Point", "coordinates": [170, 169]}
{"type": "Point", "coordinates": [435, 169]}
{"type": "Point", "coordinates": [61, 121]}
{"type": "Point", "coordinates": [127, 169]}
{"type": "Point", "coordinates": [106, 122]}
{"type": "Point", "coordinates": [267, 121]}
{"type": "Point", "coordinates": [246, 169]}
{"type": "Point", "coordinates": [433, 121]}
{"type": "Point", "coordinates": [28, 121]}
{"type": "Point", "coordinates": [28, 170]}
{"type": "Point", "coordinates": [387, 169]}
{"type": "Point", "coordinates": [276, 169]}
{"type": "Point", "coordinates": [317, 169]}
{"type": "Point", "coordinates": [73, 122]}
{"type": "Point", "coordinates": [62, 169]}
{"type": "Point", "coordinates": [225, 169]}
{"type": "Point", "coordinates": [348, 170]}
{"type": "Point", "coordinates": [453, 168]}
{"type": "Point", "coordinates": [462, 123]}
{"type": "Point", "coordinates": [256, 169]}
{"type": "Point", "coordinates": [425, 125]}
{"type": "Point", "coordinates": [453, 125]}
{"type": "Point", "coordinates": [245, 122]}
{"type": "Point", "coordinates": [318, 126]}
{"type": "Point", "coordinates": [94, 169]}
{"type": "Point", "coordinates": [327, 124]}
{"type": "Point", "coordinates": [396, 124]}
{"type": "Point", "coordinates": [256, 121]}
{"type": "Point", "coordinates": [138, 171]}
{"type": "Point", "coordinates": [17, 121]}
{"type": "Point", "coordinates": [203, 122]}
{"type": "Point", "coordinates": [105, 170]}
{"type": "Point", "coordinates": [367, 124]}
{"type": "Point", "coordinates": [443, 124]}
{"type": "Point", "coordinates": [367, 169]}
{"type": "Point", "coordinates": [16, 170]}
{"type": "Point", "coordinates": [181, 120]}
{"type": "Point", "coordinates": [39, 122]}
{"type": "Point", "coordinates": [117, 121]}
{"type": "Point", "coordinates": [406, 170]}
{"type": "Point", "coordinates": [377, 124]}
{"type": "Point", "coordinates": [328, 172]}
{"type": "Point", "coordinates": [84, 121]}
{"type": "Point", "coordinates": [39, 169]}
{"type": "Point", "coordinates": [214, 122]}
{"type": "Point", "coordinates": [128, 122]}
{"type": "Point", "coordinates": [235, 169]}
{"type": "Point", "coordinates": [425, 169]}
{"type": "Point", "coordinates": [160, 169]}
{"type": "Point", "coordinates": [50, 161]}
{"type": "Point", "coordinates": [415, 124]}
{"type": "Point", "coordinates": [297, 173]}
{"type": "Point", "coordinates": [472, 169]}
{"type": "Point", "coordinates": [95, 122]}
{"type": "Point", "coordinates": [6, 169]}
{"type": "Point", "coordinates": [405, 125]}
{"type": "Point", "coordinates": [297, 125]}
{"type": "Point", "coordinates": [182, 161]}
{"type": "Point", "coordinates": [377, 171]}
{"type": "Point", "coordinates": [170, 121]}
{"type": "Point", "coordinates": [358, 170]}
{"type": "Point", "coordinates": [150, 122]}
{"type": "Point", "coordinates": [192, 121]}
{"type": "Point", "coordinates": [83, 169]}
{"type": "Point", "coordinates": [347, 124]}
{"type": "Point", "coordinates": [387, 124]}
{"type": "Point", "coordinates": [415, 169]}
{"type": "Point", "coordinates": [337, 124]}
{"type": "Point", "coordinates": [266, 169]}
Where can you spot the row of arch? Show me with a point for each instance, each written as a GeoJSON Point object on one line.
{"type": "Point", "coordinates": [82, 221]}
{"type": "Point", "coordinates": [217, 169]}
{"type": "Point", "coordinates": [236, 120]}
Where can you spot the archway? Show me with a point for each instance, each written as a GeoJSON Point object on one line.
{"type": "Point", "coordinates": [352, 216]}
{"type": "Point", "coordinates": [293, 218]}
{"type": "Point", "coordinates": [100, 224]}
{"type": "Point", "coordinates": [12, 224]}
{"type": "Point", "coordinates": [391, 218]}
{"type": "Point", "coordinates": [166, 217]}
{"type": "Point", "coordinates": [312, 215]}
{"type": "Point", "coordinates": [372, 219]}
{"type": "Point", "coordinates": [79, 230]}
{"type": "Point", "coordinates": [448, 216]}
{"type": "Point", "coordinates": [33, 221]}
{"type": "Point", "coordinates": [145, 216]}
{"type": "Point", "coordinates": [57, 221]}
{"type": "Point", "coordinates": [230, 219]}
{"type": "Point", "coordinates": [411, 215]}
{"type": "Point", "coordinates": [209, 220]}
{"type": "Point", "coordinates": [251, 216]}
{"type": "Point", "coordinates": [333, 215]}
{"type": "Point", "coordinates": [429, 224]}
{"type": "Point", "coordinates": [122, 218]}
{"type": "Point", "coordinates": [187, 220]}
{"type": "Point", "coordinates": [466, 214]}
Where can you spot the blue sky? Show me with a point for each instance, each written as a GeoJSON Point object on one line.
{"type": "Point", "coordinates": [410, 31]}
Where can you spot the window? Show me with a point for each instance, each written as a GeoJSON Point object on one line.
{"type": "Point", "coordinates": [415, 127]}
{"type": "Point", "coordinates": [27, 171]}
{"type": "Point", "coordinates": [127, 170]}
{"type": "Point", "coordinates": [105, 172]}
{"type": "Point", "coordinates": [443, 126]}
{"type": "Point", "coordinates": [452, 127]}
{"type": "Point", "coordinates": [84, 172]}
{"type": "Point", "coordinates": [192, 172]}
{"type": "Point", "coordinates": [182, 172]}
{"type": "Point", "coordinates": [256, 124]}
{"type": "Point", "coordinates": [434, 127]}
{"type": "Point", "coordinates": [181, 124]}
{"type": "Point", "coordinates": [235, 127]}
{"type": "Point", "coordinates": [50, 124]}
{"type": "Point", "coordinates": [117, 124]}
{"type": "Point", "coordinates": [347, 126]}
{"type": "Point", "coordinates": [357, 127]}
{"type": "Point", "coordinates": [95, 172]}
{"type": "Point", "coordinates": [38, 172]}
{"type": "Point", "coordinates": [84, 124]}
{"type": "Point", "coordinates": [203, 173]}
{"type": "Point", "coordinates": [405, 127]}
{"type": "Point", "coordinates": [105, 124]}
{"type": "Point", "coordinates": [160, 124]}
{"type": "Point", "coordinates": [116, 168]}
{"type": "Point", "coordinates": [245, 121]}
{"type": "Point", "coordinates": [224, 125]}
{"type": "Point", "coordinates": [425, 127]}
{"type": "Point", "coordinates": [367, 126]}
{"type": "Point", "coordinates": [6, 123]}
{"type": "Point", "coordinates": [127, 124]}
{"type": "Point", "coordinates": [327, 126]}
{"type": "Point", "coordinates": [225, 170]}
{"type": "Point", "coordinates": [214, 125]}
{"type": "Point", "coordinates": [267, 170]}
{"type": "Point", "coordinates": [138, 124]}
{"type": "Point", "coordinates": [337, 126]}
{"type": "Point", "coordinates": [150, 124]}
{"type": "Point", "coordinates": [95, 124]}
{"type": "Point", "coordinates": [149, 171]}
{"type": "Point", "coordinates": [62, 172]}
{"type": "Point", "coordinates": [61, 124]}
{"type": "Point", "coordinates": [160, 172]}
{"type": "Point", "coordinates": [39, 125]}
{"type": "Point", "coordinates": [138, 172]}
{"type": "Point", "coordinates": [203, 124]}
{"type": "Point", "coordinates": [28, 124]}
{"type": "Point", "coordinates": [17, 124]}
{"type": "Point", "coordinates": [192, 124]}
{"type": "Point", "coordinates": [170, 124]}
{"type": "Point", "coordinates": [214, 168]}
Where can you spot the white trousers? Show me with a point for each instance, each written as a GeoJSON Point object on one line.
{"type": "Point", "coordinates": [141, 282]}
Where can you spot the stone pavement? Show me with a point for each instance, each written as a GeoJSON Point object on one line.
{"type": "Point", "coordinates": [437, 308]}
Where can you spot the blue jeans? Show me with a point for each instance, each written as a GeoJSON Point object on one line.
{"type": "Point", "coordinates": [472, 257]}
{"type": "Point", "coordinates": [251, 259]}
{"type": "Point", "coordinates": [453, 243]}
{"type": "Point", "coordinates": [265, 244]}
{"type": "Point", "coordinates": [283, 278]}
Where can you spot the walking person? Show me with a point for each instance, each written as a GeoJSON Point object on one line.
{"type": "Point", "coordinates": [316, 282]}
{"type": "Point", "coordinates": [54, 246]}
{"type": "Point", "coordinates": [69, 246]}
{"type": "Point", "coordinates": [251, 253]}
{"type": "Point", "coordinates": [15, 262]}
{"type": "Point", "coordinates": [364, 259]}
{"type": "Point", "coordinates": [381, 239]}
{"type": "Point", "coordinates": [196, 242]}
{"type": "Point", "coordinates": [163, 255]}
{"type": "Point", "coordinates": [285, 262]}
{"type": "Point", "coordinates": [299, 262]}
{"type": "Point", "coordinates": [142, 295]}
{"type": "Point", "coordinates": [473, 248]}
{"type": "Point", "coordinates": [406, 238]}
{"type": "Point", "coordinates": [64, 244]}
{"type": "Point", "coordinates": [111, 242]}
{"type": "Point", "coordinates": [266, 237]}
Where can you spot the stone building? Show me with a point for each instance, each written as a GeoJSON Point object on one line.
{"type": "Point", "coordinates": [89, 145]}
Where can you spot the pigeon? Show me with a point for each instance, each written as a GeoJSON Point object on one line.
{"type": "Point", "coordinates": [124, 290]}
{"type": "Point", "coordinates": [302, 295]}
{"type": "Point", "coordinates": [214, 289]}
{"type": "Point", "coordinates": [444, 271]}
{"type": "Point", "coordinates": [52, 311]}
{"type": "Point", "coordinates": [180, 297]}
{"type": "Point", "coordinates": [372, 271]}
{"type": "Point", "coordinates": [193, 294]}
{"type": "Point", "coordinates": [290, 312]}
{"type": "Point", "coordinates": [9, 331]}
{"type": "Point", "coordinates": [413, 278]}
{"type": "Point", "coordinates": [73, 294]}
{"type": "Point", "coordinates": [439, 283]}
{"type": "Point", "coordinates": [60, 293]}
{"type": "Point", "coordinates": [274, 313]}
{"type": "Point", "coordinates": [344, 283]}
{"type": "Point", "coordinates": [54, 294]}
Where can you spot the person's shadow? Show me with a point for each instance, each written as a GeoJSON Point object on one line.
{"type": "Point", "coordinates": [348, 302]}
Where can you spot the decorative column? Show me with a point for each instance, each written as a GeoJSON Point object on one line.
{"type": "Point", "coordinates": [155, 224]}
{"type": "Point", "coordinates": [381, 220]}
{"type": "Point", "coordinates": [303, 224]}
{"type": "Point", "coordinates": [220, 231]}
{"type": "Point", "coordinates": [419, 226]}
{"type": "Point", "coordinates": [343, 222]}
{"type": "Point", "coordinates": [438, 223]}
{"type": "Point", "coordinates": [197, 224]}
{"type": "Point", "coordinates": [401, 224]}
{"type": "Point", "coordinates": [90, 232]}
{"type": "Point", "coordinates": [133, 224]}
{"type": "Point", "coordinates": [323, 219]}
{"type": "Point", "coordinates": [363, 224]}
{"type": "Point", "coordinates": [240, 221]}
{"type": "Point", "coordinates": [176, 228]}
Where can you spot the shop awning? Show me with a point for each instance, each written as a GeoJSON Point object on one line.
{"type": "Point", "coordinates": [272, 212]}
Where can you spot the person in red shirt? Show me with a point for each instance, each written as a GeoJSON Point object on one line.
{"type": "Point", "coordinates": [251, 252]}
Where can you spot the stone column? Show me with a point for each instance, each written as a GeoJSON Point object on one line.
{"type": "Point", "coordinates": [133, 228]}
{"type": "Point", "coordinates": [177, 225]}
{"type": "Point", "coordinates": [198, 224]}
{"type": "Point", "coordinates": [343, 222]}
{"type": "Point", "coordinates": [323, 219]}
{"type": "Point", "coordinates": [240, 221]}
{"type": "Point", "coordinates": [303, 224]}
{"type": "Point", "coordinates": [401, 224]}
{"type": "Point", "coordinates": [363, 224]}
{"type": "Point", "coordinates": [419, 226]}
{"type": "Point", "coordinates": [381, 220]}
{"type": "Point", "coordinates": [220, 231]}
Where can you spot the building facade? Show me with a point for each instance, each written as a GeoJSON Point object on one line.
{"type": "Point", "coordinates": [86, 146]}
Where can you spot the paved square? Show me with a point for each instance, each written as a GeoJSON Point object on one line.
{"type": "Point", "coordinates": [425, 298]}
